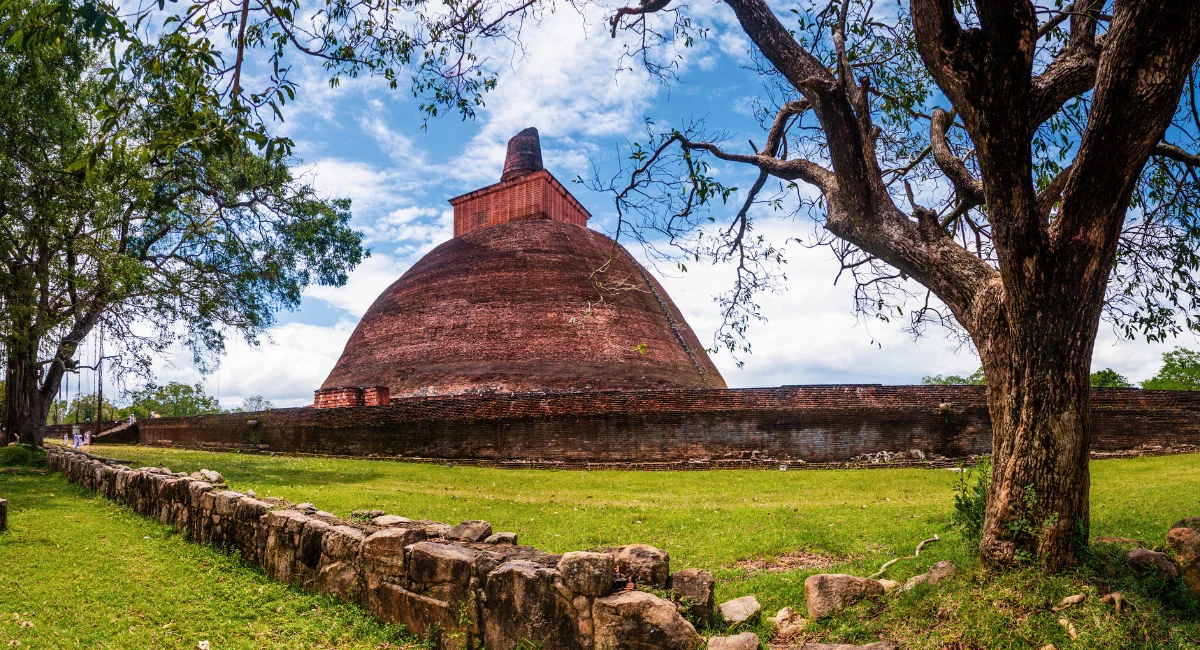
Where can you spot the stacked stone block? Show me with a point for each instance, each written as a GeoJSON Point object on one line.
{"type": "Point", "coordinates": [441, 583]}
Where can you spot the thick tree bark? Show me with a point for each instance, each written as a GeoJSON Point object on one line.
{"type": "Point", "coordinates": [25, 406]}
{"type": "Point", "coordinates": [1037, 364]}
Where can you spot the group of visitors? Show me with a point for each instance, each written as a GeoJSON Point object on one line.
{"type": "Point", "coordinates": [77, 439]}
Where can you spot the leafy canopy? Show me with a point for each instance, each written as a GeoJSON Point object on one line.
{"type": "Point", "coordinates": [173, 400]}
{"type": "Point", "coordinates": [1109, 378]}
{"type": "Point", "coordinates": [1180, 371]}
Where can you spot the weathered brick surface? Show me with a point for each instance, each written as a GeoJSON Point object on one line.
{"type": "Point", "coordinates": [454, 593]}
{"type": "Point", "coordinates": [531, 305]}
{"type": "Point", "coordinates": [537, 195]}
{"type": "Point", "coordinates": [811, 423]}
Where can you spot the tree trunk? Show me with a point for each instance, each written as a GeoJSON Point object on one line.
{"type": "Point", "coordinates": [27, 399]}
{"type": "Point", "coordinates": [1039, 401]}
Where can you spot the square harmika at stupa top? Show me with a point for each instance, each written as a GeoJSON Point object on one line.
{"type": "Point", "coordinates": [525, 191]}
{"type": "Point", "coordinates": [524, 298]}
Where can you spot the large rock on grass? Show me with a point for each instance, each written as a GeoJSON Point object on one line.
{"type": "Point", "coordinates": [1184, 543]}
{"type": "Point", "coordinates": [589, 574]}
{"type": "Point", "coordinates": [1145, 561]}
{"type": "Point", "coordinates": [643, 564]}
{"type": "Point", "coordinates": [522, 606]}
{"type": "Point", "coordinates": [828, 592]}
{"type": "Point", "coordinates": [696, 588]}
{"type": "Point", "coordinates": [739, 610]}
{"type": "Point", "coordinates": [636, 620]}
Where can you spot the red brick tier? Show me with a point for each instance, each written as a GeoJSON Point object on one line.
{"type": "Point", "coordinates": [523, 306]}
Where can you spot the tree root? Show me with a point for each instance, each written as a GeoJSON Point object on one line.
{"type": "Point", "coordinates": [916, 554]}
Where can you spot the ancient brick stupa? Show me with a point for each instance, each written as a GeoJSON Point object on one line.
{"type": "Point", "coordinates": [524, 298]}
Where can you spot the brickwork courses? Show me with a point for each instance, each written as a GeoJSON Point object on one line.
{"type": "Point", "coordinates": [760, 427]}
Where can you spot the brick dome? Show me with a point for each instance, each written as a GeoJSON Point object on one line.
{"type": "Point", "coordinates": [524, 306]}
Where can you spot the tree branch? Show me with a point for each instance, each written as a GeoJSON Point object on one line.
{"type": "Point", "coordinates": [969, 188]}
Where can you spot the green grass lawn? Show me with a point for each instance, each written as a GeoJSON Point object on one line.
{"type": "Point", "coordinates": [715, 519]}
{"type": "Point", "coordinates": [79, 572]}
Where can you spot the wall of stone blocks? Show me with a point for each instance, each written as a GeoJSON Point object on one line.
{"type": "Point", "coordinates": [816, 424]}
{"type": "Point", "coordinates": [458, 586]}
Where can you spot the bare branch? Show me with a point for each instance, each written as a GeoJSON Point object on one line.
{"type": "Point", "coordinates": [968, 187]}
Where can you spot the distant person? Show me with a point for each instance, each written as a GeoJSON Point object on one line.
{"type": "Point", "coordinates": [78, 440]}
{"type": "Point", "coordinates": [132, 419]}
{"type": "Point", "coordinates": [66, 440]}
{"type": "Point", "coordinates": [87, 438]}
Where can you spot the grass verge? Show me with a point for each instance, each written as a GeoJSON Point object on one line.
{"type": "Point", "coordinates": [79, 572]}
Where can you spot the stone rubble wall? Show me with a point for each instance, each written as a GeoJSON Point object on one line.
{"type": "Point", "coordinates": [667, 428]}
{"type": "Point", "coordinates": [461, 587]}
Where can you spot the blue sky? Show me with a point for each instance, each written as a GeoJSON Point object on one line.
{"type": "Point", "coordinates": [364, 141]}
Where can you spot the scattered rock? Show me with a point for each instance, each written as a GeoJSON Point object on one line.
{"type": "Point", "coordinates": [252, 494]}
{"type": "Point", "coordinates": [211, 476]}
{"type": "Point", "coordinates": [643, 564]}
{"type": "Point", "coordinates": [471, 531]}
{"type": "Point", "coordinates": [1069, 627]}
{"type": "Point", "coordinates": [1144, 560]}
{"type": "Point", "coordinates": [1184, 543]}
{"type": "Point", "coordinates": [1070, 600]}
{"type": "Point", "coordinates": [10, 470]}
{"type": "Point", "coordinates": [889, 585]}
{"type": "Point", "coordinates": [828, 592]}
{"type": "Point", "coordinates": [1116, 600]}
{"type": "Point", "coordinates": [636, 619]}
{"type": "Point", "coordinates": [783, 616]}
{"type": "Point", "coordinates": [306, 507]}
{"type": "Point", "coordinates": [502, 538]}
{"type": "Point", "coordinates": [743, 641]}
{"type": "Point", "coordinates": [590, 574]}
{"type": "Point", "coordinates": [739, 610]}
{"type": "Point", "coordinates": [788, 624]}
{"type": "Point", "coordinates": [698, 588]}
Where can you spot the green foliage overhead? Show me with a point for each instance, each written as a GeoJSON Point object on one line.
{"type": "Point", "coordinates": [153, 246]}
{"type": "Point", "coordinates": [173, 400]}
{"type": "Point", "coordinates": [1180, 371]}
{"type": "Point", "coordinates": [975, 379]}
{"type": "Point", "coordinates": [1109, 378]}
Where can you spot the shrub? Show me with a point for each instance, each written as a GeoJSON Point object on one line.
{"type": "Point", "coordinates": [15, 455]}
{"type": "Point", "coordinates": [970, 501]}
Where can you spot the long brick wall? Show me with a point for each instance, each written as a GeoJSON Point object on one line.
{"type": "Point", "coordinates": [814, 424]}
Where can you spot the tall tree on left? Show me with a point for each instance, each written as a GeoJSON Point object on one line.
{"type": "Point", "coordinates": [152, 246]}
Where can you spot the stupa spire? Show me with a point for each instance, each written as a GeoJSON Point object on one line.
{"type": "Point", "coordinates": [524, 155]}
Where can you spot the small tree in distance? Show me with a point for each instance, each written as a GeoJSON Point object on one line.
{"type": "Point", "coordinates": [1180, 371]}
{"type": "Point", "coordinates": [256, 403]}
{"type": "Point", "coordinates": [1109, 378]}
{"type": "Point", "coordinates": [173, 400]}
